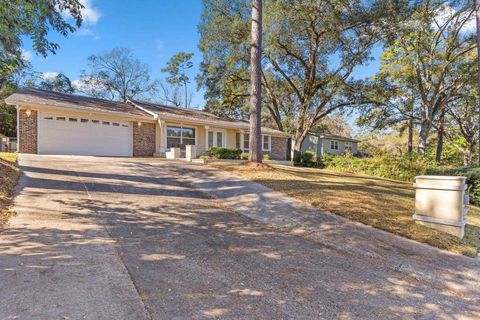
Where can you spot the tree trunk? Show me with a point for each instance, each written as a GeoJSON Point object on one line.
{"type": "Point", "coordinates": [297, 148]}
{"type": "Point", "coordinates": [424, 131]}
{"type": "Point", "coordinates": [440, 134]}
{"type": "Point", "coordinates": [477, 15]}
{"type": "Point", "coordinates": [186, 95]}
{"type": "Point", "coordinates": [256, 83]}
{"type": "Point", "coordinates": [468, 154]}
{"type": "Point", "coordinates": [410, 135]}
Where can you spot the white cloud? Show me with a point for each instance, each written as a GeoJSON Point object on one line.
{"type": "Point", "coordinates": [87, 84]}
{"type": "Point", "coordinates": [90, 14]}
{"type": "Point", "coordinates": [446, 12]}
{"type": "Point", "coordinates": [26, 55]}
{"type": "Point", "coordinates": [87, 32]}
{"type": "Point", "coordinates": [49, 75]}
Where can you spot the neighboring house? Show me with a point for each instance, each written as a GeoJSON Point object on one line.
{"type": "Point", "coordinates": [56, 123]}
{"type": "Point", "coordinates": [321, 143]}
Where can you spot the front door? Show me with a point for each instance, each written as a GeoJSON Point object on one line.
{"type": "Point", "coordinates": [215, 138]}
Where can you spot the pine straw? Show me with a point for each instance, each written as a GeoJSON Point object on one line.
{"type": "Point", "coordinates": [9, 174]}
{"type": "Point", "coordinates": [382, 203]}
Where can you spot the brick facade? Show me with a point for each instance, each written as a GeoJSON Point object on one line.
{"type": "Point", "coordinates": [28, 131]}
{"type": "Point", "coordinates": [278, 149]}
{"type": "Point", "coordinates": [143, 139]}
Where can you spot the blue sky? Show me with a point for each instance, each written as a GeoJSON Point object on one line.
{"type": "Point", "coordinates": [154, 29]}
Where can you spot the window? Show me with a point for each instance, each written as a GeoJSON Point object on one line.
{"type": "Point", "coordinates": [246, 142]}
{"type": "Point", "coordinates": [210, 139]}
{"type": "Point", "coordinates": [348, 146]}
{"type": "Point", "coordinates": [219, 138]}
{"type": "Point", "coordinates": [48, 118]}
{"type": "Point", "coordinates": [95, 121]}
{"type": "Point", "coordinates": [60, 118]}
{"type": "Point", "coordinates": [115, 124]}
{"type": "Point", "coordinates": [333, 145]}
{"type": "Point", "coordinates": [72, 119]}
{"type": "Point", "coordinates": [83, 120]}
{"type": "Point", "coordinates": [266, 142]}
{"type": "Point", "coordinates": [106, 123]}
{"type": "Point", "coordinates": [124, 125]}
{"type": "Point", "coordinates": [237, 140]}
{"type": "Point", "coordinates": [179, 137]}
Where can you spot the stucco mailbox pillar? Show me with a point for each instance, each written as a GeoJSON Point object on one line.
{"type": "Point", "coordinates": [441, 203]}
{"type": "Point", "coordinates": [190, 152]}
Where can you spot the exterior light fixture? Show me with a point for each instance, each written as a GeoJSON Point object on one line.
{"type": "Point", "coordinates": [139, 124]}
{"type": "Point", "coordinates": [28, 112]}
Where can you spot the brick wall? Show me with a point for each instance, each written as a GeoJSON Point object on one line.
{"type": "Point", "coordinates": [278, 149]}
{"type": "Point", "coordinates": [143, 139]}
{"type": "Point", "coordinates": [28, 131]}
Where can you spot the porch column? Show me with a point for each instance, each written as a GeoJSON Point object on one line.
{"type": "Point", "coordinates": [206, 137]}
{"type": "Point", "coordinates": [163, 136]}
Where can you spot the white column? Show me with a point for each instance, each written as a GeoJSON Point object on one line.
{"type": "Point", "coordinates": [163, 136]}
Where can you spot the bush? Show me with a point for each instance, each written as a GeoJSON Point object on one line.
{"type": "Point", "coordinates": [224, 153]}
{"type": "Point", "coordinates": [244, 156]}
{"type": "Point", "coordinates": [307, 157]}
{"type": "Point", "coordinates": [266, 156]}
{"type": "Point", "coordinates": [405, 168]}
{"type": "Point", "coordinates": [472, 175]}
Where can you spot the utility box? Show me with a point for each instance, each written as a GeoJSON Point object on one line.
{"type": "Point", "coordinates": [441, 203]}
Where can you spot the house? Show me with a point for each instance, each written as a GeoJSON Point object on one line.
{"type": "Point", "coordinates": [321, 143]}
{"type": "Point", "coordinates": [57, 123]}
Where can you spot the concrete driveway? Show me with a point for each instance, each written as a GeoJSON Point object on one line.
{"type": "Point", "coordinates": [113, 238]}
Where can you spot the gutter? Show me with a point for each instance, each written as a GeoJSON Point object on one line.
{"type": "Point", "coordinates": [153, 114]}
{"type": "Point", "coordinates": [26, 104]}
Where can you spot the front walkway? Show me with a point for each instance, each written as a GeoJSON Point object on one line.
{"type": "Point", "coordinates": [103, 238]}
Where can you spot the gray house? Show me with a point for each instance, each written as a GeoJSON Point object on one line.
{"type": "Point", "coordinates": [321, 143]}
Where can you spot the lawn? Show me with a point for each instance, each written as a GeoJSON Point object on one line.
{"type": "Point", "coordinates": [9, 174]}
{"type": "Point", "coordinates": [382, 203]}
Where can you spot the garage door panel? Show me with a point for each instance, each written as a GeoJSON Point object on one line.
{"type": "Point", "coordinates": [72, 135]}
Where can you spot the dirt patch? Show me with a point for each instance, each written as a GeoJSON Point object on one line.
{"type": "Point", "coordinates": [9, 174]}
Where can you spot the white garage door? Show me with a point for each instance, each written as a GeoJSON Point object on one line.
{"type": "Point", "coordinates": [73, 135]}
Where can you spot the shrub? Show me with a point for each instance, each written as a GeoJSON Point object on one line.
{"type": "Point", "coordinates": [266, 156]}
{"type": "Point", "coordinates": [307, 157]}
{"type": "Point", "coordinates": [472, 175]}
{"type": "Point", "coordinates": [244, 156]}
{"type": "Point", "coordinates": [223, 153]}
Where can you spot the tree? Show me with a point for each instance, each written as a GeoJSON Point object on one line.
{"type": "Point", "coordinates": [177, 67]}
{"type": "Point", "coordinates": [59, 83]}
{"type": "Point", "coordinates": [22, 76]}
{"type": "Point", "coordinates": [477, 20]}
{"type": "Point", "coordinates": [310, 51]}
{"type": "Point", "coordinates": [428, 58]}
{"type": "Point", "coordinates": [33, 19]}
{"type": "Point", "coordinates": [255, 136]}
{"type": "Point", "coordinates": [117, 75]}
{"type": "Point", "coordinates": [170, 94]}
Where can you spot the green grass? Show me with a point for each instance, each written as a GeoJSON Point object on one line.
{"type": "Point", "coordinates": [10, 157]}
{"type": "Point", "coordinates": [381, 203]}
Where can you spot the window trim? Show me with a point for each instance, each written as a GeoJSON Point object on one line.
{"type": "Point", "coordinates": [181, 126]}
{"type": "Point", "coordinates": [335, 144]}
{"type": "Point", "coordinates": [348, 144]}
{"type": "Point", "coordinates": [269, 142]}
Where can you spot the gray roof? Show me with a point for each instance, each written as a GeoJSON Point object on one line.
{"type": "Point", "coordinates": [333, 136]}
{"type": "Point", "coordinates": [37, 97]}
{"type": "Point", "coordinates": [170, 113]}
